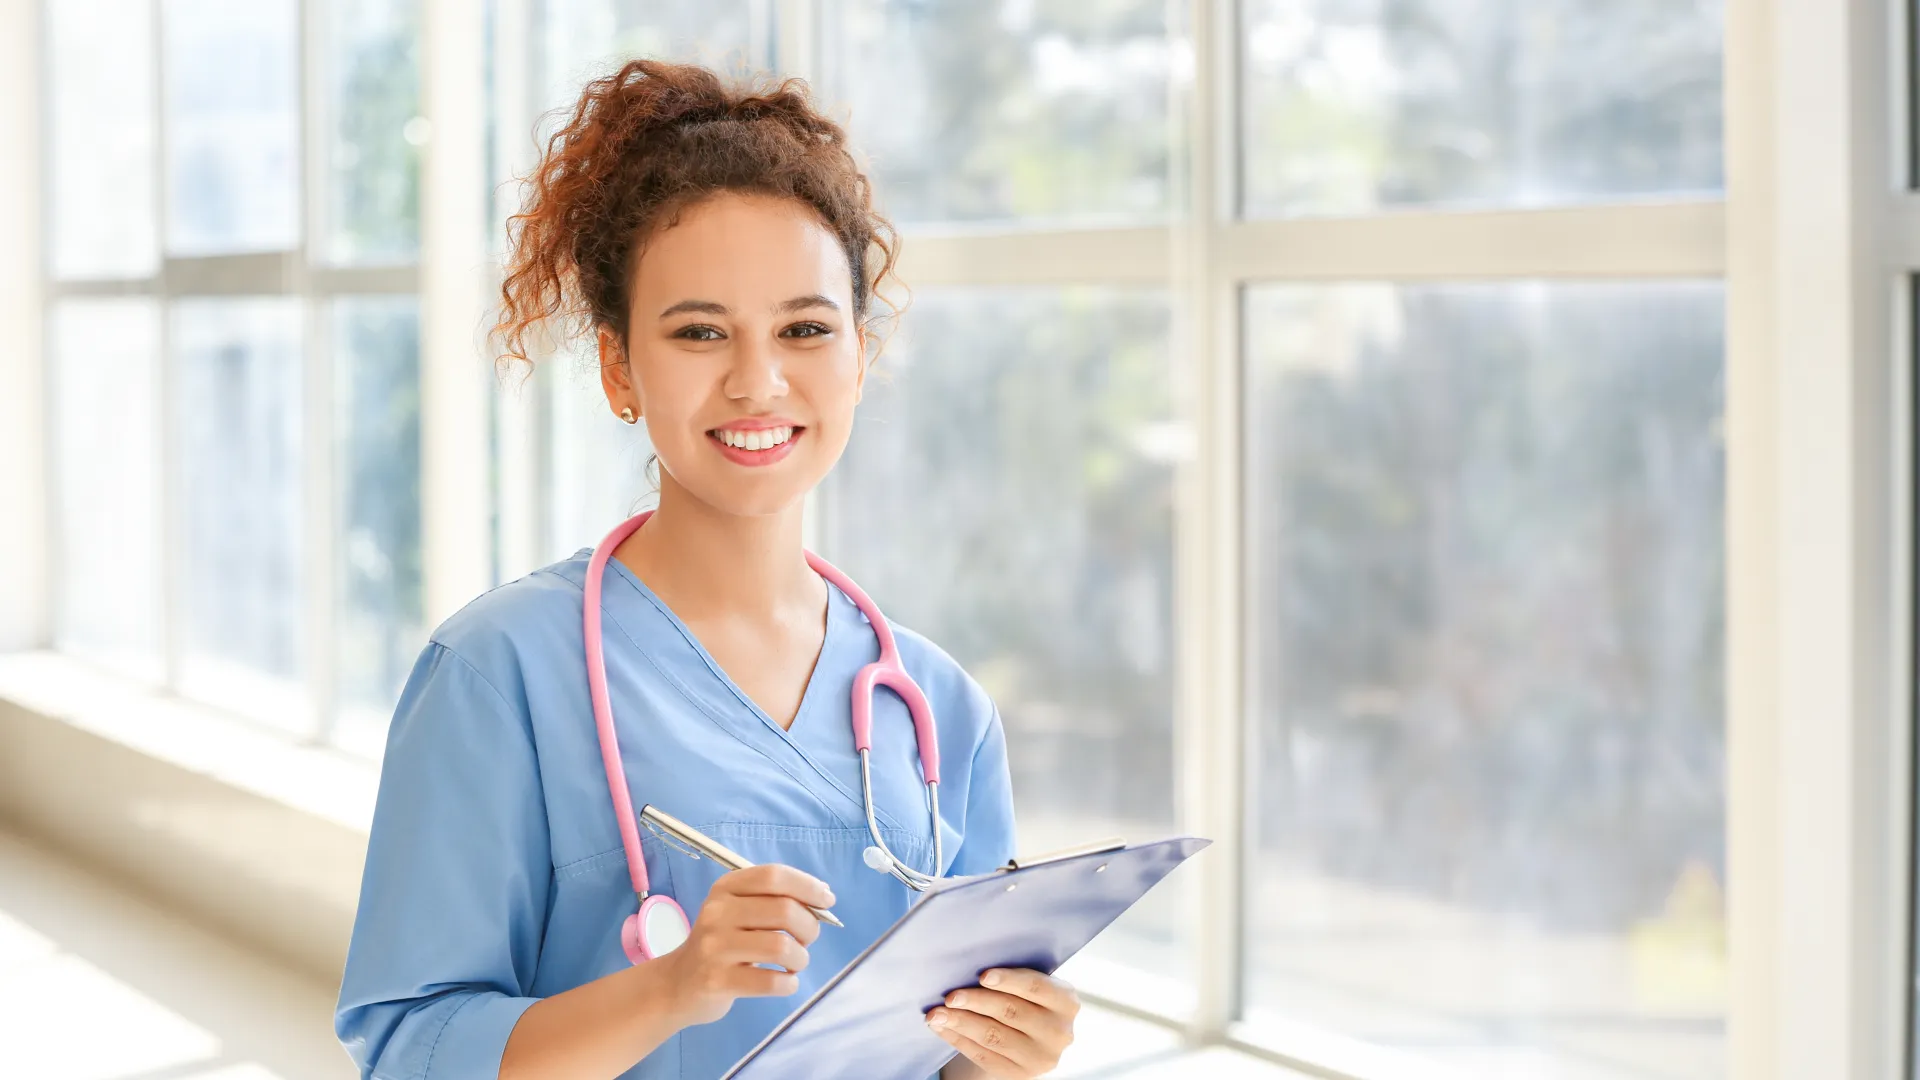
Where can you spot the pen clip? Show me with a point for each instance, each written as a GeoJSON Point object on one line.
{"type": "Point", "coordinates": [671, 840]}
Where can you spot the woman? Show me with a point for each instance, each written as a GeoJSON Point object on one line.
{"type": "Point", "coordinates": [716, 240]}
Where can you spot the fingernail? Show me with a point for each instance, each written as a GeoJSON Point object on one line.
{"type": "Point", "coordinates": [936, 1019]}
{"type": "Point", "coordinates": [829, 902]}
{"type": "Point", "coordinates": [991, 978]}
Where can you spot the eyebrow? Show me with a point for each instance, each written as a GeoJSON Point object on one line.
{"type": "Point", "coordinates": [710, 307]}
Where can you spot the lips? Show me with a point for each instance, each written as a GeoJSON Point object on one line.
{"type": "Point", "coordinates": [757, 443]}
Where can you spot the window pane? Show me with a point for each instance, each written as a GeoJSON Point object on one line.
{"type": "Point", "coordinates": [583, 39]}
{"type": "Point", "coordinates": [1055, 110]}
{"type": "Point", "coordinates": [100, 138]}
{"type": "Point", "coordinates": [1352, 105]}
{"type": "Point", "coordinates": [600, 474]}
{"type": "Point", "coordinates": [1047, 409]}
{"type": "Point", "coordinates": [107, 457]}
{"type": "Point", "coordinates": [237, 398]}
{"type": "Point", "coordinates": [1485, 558]}
{"type": "Point", "coordinates": [233, 126]}
{"type": "Point", "coordinates": [374, 194]}
{"type": "Point", "coordinates": [380, 622]}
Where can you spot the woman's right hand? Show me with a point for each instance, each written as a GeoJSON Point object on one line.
{"type": "Point", "coordinates": [754, 916]}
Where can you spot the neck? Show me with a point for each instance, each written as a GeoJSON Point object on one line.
{"type": "Point", "coordinates": [703, 563]}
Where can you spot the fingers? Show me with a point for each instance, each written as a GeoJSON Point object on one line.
{"type": "Point", "coordinates": [759, 982]}
{"type": "Point", "coordinates": [1017, 1013]}
{"type": "Point", "coordinates": [773, 879]}
{"type": "Point", "coordinates": [1018, 1048]}
{"type": "Point", "coordinates": [761, 947]}
{"type": "Point", "coordinates": [1051, 994]}
{"type": "Point", "coordinates": [782, 913]}
{"type": "Point", "coordinates": [991, 1060]}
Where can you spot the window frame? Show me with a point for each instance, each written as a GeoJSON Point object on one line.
{"type": "Point", "coordinates": [302, 273]}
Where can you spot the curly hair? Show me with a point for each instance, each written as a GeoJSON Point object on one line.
{"type": "Point", "coordinates": [642, 145]}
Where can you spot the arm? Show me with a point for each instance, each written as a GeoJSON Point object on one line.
{"type": "Point", "coordinates": [453, 909]}
{"type": "Point", "coordinates": [453, 901]}
{"type": "Point", "coordinates": [751, 917]}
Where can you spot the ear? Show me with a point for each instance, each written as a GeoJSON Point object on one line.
{"type": "Point", "coordinates": [616, 376]}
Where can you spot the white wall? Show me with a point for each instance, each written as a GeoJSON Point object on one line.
{"type": "Point", "coordinates": [23, 489]}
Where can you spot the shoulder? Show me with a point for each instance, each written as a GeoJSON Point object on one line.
{"type": "Point", "coordinates": [957, 696]}
{"type": "Point", "coordinates": [532, 619]}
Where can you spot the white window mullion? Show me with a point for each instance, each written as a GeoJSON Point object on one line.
{"type": "Point", "coordinates": [322, 527]}
{"type": "Point", "coordinates": [1816, 731]}
{"type": "Point", "coordinates": [1209, 721]}
{"type": "Point", "coordinates": [523, 521]}
{"type": "Point", "coordinates": [173, 555]}
{"type": "Point", "coordinates": [455, 378]}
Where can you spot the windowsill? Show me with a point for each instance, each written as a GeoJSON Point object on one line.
{"type": "Point", "coordinates": [321, 781]}
{"type": "Point", "coordinates": [229, 822]}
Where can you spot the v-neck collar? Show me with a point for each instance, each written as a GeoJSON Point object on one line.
{"type": "Point", "coordinates": [726, 704]}
{"type": "Point", "coordinates": [836, 618]}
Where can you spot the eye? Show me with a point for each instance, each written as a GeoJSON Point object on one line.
{"type": "Point", "coordinates": [698, 332]}
{"type": "Point", "coordinates": [808, 329]}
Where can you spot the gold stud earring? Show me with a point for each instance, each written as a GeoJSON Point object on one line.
{"type": "Point", "coordinates": [627, 415]}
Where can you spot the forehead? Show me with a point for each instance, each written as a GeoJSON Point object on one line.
{"type": "Point", "coordinates": [746, 249]}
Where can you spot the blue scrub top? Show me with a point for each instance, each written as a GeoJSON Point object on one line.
{"type": "Point", "coordinates": [495, 875]}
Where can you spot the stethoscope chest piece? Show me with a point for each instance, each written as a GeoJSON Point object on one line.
{"type": "Point", "coordinates": [658, 928]}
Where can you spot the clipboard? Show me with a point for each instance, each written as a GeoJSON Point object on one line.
{"type": "Point", "coordinates": [869, 1020]}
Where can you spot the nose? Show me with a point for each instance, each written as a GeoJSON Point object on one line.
{"type": "Point", "coordinates": [756, 373]}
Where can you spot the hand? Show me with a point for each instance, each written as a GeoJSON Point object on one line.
{"type": "Point", "coordinates": [751, 917]}
{"type": "Point", "coordinates": [1014, 1025]}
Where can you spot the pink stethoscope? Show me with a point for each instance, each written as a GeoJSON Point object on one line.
{"type": "Point", "coordinates": [661, 925]}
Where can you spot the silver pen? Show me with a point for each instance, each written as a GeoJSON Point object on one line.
{"type": "Point", "coordinates": [713, 849]}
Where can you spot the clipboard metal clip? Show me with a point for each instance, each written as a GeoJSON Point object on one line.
{"type": "Point", "coordinates": [1096, 847]}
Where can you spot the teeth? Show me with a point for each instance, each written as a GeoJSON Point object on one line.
{"type": "Point", "coordinates": [763, 439]}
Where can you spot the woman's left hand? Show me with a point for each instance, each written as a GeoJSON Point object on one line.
{"type": "Point", "coordinates": [1014, 1025]}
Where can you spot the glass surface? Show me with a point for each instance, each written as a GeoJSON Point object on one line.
{"type": "Point", "coordinates": [100, 139]}
{"type": "Point", "coordinates": [1000, 110]}
{"type": "Point", "coordinates": [600, 466]}
{"type": "Point", "coordinates": [584, 39]}
{"type": "Point", "coordinates": [1354, 105]}
{"type": "Point", "coordinates": [379, 622]}
{"type": "Point", "coordinates": [1008, 493]}
{"type": "Point", "coordinates": [232, 71]}
{"type": "Point", "coordinates": [237, 399]}
{"type": "Point", "coordinates": [106, 410]}
{"type": "Point", "coordinates": [374, 163]}
{"type": "Point", "coordinates": [1485, 562]}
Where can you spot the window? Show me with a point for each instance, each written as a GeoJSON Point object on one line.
{"type": "Point", "coordinates": [1484, 657]}
{"type": "Point", "coordinates": [235, 349]}
{"type": "Point", "coordinates": [377, 559]}
{"type": "Point", "coordinates": [1356, 107]}
{"type": "Point", "coordinates": [232, 125]}
{"type": "Point", "coordinates": [373, 203]}
{"type": "Point", "coordinates": [101, 152]}
{"type": "Point", "coordinates": [105, 392]}
{"type": "Point", "coordinates": [1008, 111]}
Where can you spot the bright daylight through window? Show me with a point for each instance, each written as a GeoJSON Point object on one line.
{"type": "Point", "coordinates": [1477, 615]}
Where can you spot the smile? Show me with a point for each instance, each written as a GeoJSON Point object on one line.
{"type": "Point", "coordinates": [756, 440]}
{"type": "Point", "coordinates": [756, 446]}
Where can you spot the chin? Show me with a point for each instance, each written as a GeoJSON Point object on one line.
{"type": "Point", "coordinates": [760, 497]}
